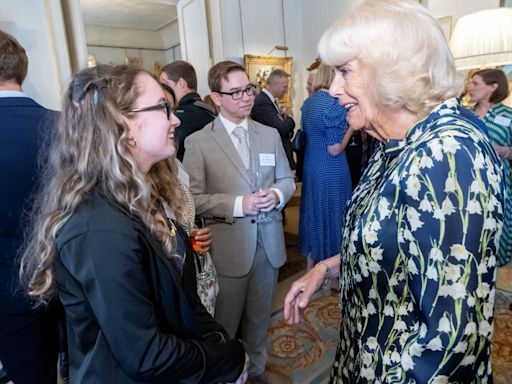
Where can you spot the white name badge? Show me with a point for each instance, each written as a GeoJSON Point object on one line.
{"type": "Point", "coordinates": [267, 160]}
{"type": "Point", "coordinates": [183, 176]}
{"type": "Point", "coordinates": [502, 120]}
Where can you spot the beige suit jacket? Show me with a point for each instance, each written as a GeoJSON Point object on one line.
{"type": "Point", "coordinates": [218, 176]}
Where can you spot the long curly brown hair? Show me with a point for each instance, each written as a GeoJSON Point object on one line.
{"type": "Point", "coordinates": [90, 149]}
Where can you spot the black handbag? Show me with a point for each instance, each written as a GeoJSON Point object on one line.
{"type": "Point", "coordinates": [299, 141]}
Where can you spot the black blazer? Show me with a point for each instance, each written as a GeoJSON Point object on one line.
{"type": "Point", "coordinates": [266, 113]}
{"type": "Point", "coordinates": [194, 115]}
{"type": "Point", "coordinates": [23, 123]}
{"type": "Point", "coordinates": [133, 315]}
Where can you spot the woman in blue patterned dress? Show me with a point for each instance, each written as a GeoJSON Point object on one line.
{"type": "Point", "coordinates": [418, 256]}
{"type": "Point", "coordinates": [487, 88]}
{"type": "Point", "coordinates": [326, 185]}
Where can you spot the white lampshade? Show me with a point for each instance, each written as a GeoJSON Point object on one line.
{"type": "Point", "coordinates": [483, 39]}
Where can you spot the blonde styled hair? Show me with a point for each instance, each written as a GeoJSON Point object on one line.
{"type": "Point", "coordinates": [324, 77]}
{"type": "Point", "coordinates": [90, 149]}
{"type": "Point", "coordinates": [402, 49]}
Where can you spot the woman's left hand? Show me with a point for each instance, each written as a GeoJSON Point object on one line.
{"type": "Point", "coordinates": [502, 151]}
{"type": "Point", "coordinates": [203, 238]}
{"type": "Point", "coordinates": [300, 293]}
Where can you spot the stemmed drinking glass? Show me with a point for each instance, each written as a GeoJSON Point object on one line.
{"type": "Point", "coordinates": [263, 217]}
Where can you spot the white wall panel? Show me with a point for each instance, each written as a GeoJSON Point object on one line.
{"type": "Point", "coordinates": [39, 27]}
{"type": "Point", "coordinates": [194, 39]}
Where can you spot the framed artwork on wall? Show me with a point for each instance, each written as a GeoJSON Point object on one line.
{"type": "Point", "coordinates": [259, 67]}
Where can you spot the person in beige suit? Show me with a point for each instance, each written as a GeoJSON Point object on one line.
{"type": "Point", "coordinates": [222, 160]}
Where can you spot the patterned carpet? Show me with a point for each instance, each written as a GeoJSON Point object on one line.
{"type": "Point", "coordinates": [295, 262]}
{"type": "Point", "coordinates": [305, 352]}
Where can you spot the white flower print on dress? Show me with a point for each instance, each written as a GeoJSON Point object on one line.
{"type": "Point", "coordinates": [459, 251]}
{"type": "Point", "coordinates": [416, 247]}
{"type": "Point", "coordinates": [444, 325]}
{"type": "Point", "coordinates": [413, 187]}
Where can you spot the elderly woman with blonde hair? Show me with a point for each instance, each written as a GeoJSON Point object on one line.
{"type": "Point", "coordinates": [418, 256]}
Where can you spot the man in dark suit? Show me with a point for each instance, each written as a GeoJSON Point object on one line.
{"type": "Point", "coordinates": [266, 110]}
{"type": "Point", "coordinates": [28, 337]}
{"type": "Point", "coordinates": [193, 113]}
{"type": "Point", "coordinates": [222, 160]}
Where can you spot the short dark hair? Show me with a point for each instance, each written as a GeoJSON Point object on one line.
{"type": "Point", "coordinates": [169, 90]}
{"type": "Point", "coordinates": [181, 69]}
{"type": "Point", "coordinates": [221, 71]}
{"type": "Point", "coordinates": [13, 59]}
{"type": "Point", "coordinates": [277, 74]}
{"type": "Point", "coordinates": [495, 76]}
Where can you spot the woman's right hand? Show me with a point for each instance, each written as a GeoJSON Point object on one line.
{"type": "Point", "coordinates": [202, 237]}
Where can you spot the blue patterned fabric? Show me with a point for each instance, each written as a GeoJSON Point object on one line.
{"type": "Point", "coordinates": [326, 185]}
{"type": "Point", "coordinates": [419, 258]}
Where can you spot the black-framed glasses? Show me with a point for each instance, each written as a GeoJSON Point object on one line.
{"type": "Point", "coordinates": [237, 95]}
{"type": "Point", "coordinates": [162, 105]}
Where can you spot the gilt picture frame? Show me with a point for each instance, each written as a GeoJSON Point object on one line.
{"type": "Point", "coordinates": [259, 67]}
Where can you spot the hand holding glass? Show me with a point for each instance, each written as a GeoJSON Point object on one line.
{"type": "Point", "coordinates": [200, 237]}
{"type": "Point", "coordinates": [263, 217]}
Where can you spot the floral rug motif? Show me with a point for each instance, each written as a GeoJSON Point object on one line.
{"type": "Point", "coordinates": [502, 340]}
{"type": "Point", "coordinates": [305, 352]}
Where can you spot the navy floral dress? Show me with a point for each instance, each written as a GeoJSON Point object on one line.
{"type": "Point", "coordinates": [419, 258]}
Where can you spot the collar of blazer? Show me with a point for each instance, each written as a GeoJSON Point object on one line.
{"type": "Point", "coordinates": [142, 229]}
{"type": "Point", "coordinates": [272, 99]}
{"type": "Point", "coordinates": [221, 137]}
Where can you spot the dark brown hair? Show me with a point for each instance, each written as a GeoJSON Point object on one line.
{"type": "Point", "coordinates": [13, 59]}
{"type": "Point", "coordinates": [221, 71]}
{"type": "Point", "coordinates": [314, 65]}
{"type": "Point", "coordinates": [180, 69]}
{"type": "Point", "coordinates": [495, 76]}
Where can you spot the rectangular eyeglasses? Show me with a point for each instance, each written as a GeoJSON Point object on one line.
{"type": "Point", "coordinates": [236, 95]}
{"type": "Point", "coordinates": [162, 105]}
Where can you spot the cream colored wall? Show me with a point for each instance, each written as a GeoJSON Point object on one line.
{"type": "Point", "coordinates": [125, 37]}
{"type": "Point", "coordinates": [39, 27]}
{"type": "Point", "coordinates": [194, 41]}
{"type": "Point", "coordinates": [255, 27]}
{"type": "Point", "coordinates": [103, 40]}
{"type": "Point", "coordinates": [459, 8]}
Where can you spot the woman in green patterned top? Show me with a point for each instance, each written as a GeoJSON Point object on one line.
{"type": "Point", "coordinates": [487, 88]}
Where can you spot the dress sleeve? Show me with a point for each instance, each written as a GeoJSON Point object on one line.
{"type": "Point", "coordinates": [334, 123]}
{"type": "Point", "coordinates": [449, 222]}
{"type": "Point", "coordinates": [109, 268]}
